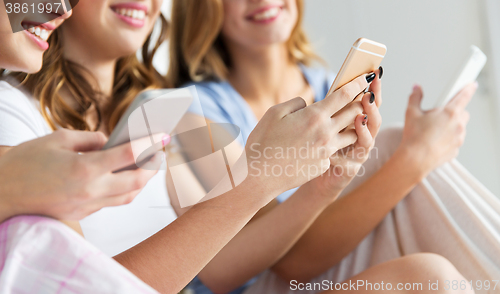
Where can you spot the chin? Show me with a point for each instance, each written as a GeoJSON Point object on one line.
{"type": "Point", "coordinates": [273, 40]}
{"type": "Point", "coordinates": [30, 66]}
{"type": "Point", "coordinates": [126, 47]}
{"type": "Point", "coordinates": [34, 65]}
{"type": "Point", "coordinates": [127, 51]}
{"type": "Point", "coordinates": [34, 69]}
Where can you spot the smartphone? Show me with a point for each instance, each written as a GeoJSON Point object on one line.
{"type": "Point", "coordinates": [365, 57]}
{"type": "Point", "coordinates": [468, 72]}
{"type": "Point", "coordinates": [152, 112]}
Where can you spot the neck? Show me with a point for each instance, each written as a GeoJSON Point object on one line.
{"type": "Point", "coordinates": [101, 71]}
{"type": "Point", "coordinates": [101, 77]}
{"type": "Point", "coordinates": [262, 74]}
{"type": "Point", "coordinates": [101, 68]}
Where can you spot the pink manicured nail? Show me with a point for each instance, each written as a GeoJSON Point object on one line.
{"type": "Point", "coordinates": [416, 87]}
{"type": "Point", "coordinates": [165, 140]}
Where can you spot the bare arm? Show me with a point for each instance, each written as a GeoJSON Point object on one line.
{"type": "Point", "coordinates": [172, 257]}
{"type": "Point", "coordinates": [262, 242]}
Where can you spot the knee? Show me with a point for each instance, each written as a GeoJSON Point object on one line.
{"type": "Point", "coordinates": [433, 267]}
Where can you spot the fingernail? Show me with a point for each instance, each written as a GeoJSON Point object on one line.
{"type": "Point", "coordinates": [416, 87]}
{"type": "Point", "coordinates": [381, 72]}
{"type": "Point", "coordinates": [165, 140]}
{"type": "Point", "coordinates": [370, 77]}
{"type": "Point", "coordinates": [365, 119]}
{"type": "Point", "coordinates": [372, 98]}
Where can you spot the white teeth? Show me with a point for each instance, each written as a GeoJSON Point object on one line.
{"type": "Point", "coordinates": [268, 14]}
{"type": "Point", "coordinates": [44, 35]}
{"type": "Point", "coordinates": [132, 13]}
{"type": "Point", "coordinates": [40, 32]}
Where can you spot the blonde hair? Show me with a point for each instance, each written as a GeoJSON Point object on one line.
{"type": "Point", "coordinates": [197, 52]}
{"type": "Point", "coordinates": [131, 77]}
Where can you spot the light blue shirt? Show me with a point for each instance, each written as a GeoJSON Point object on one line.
{"type": "Point", "coordinates": [221, 103]}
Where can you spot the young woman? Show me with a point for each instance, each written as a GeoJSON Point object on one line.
{"type": "Point", "coordinates": [62, 200]}
{"type": "Point", "coordinates": [246, 56]}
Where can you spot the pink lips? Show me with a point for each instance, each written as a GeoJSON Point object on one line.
{"type": "Point", "coordinates": [131, 5]}
{"type": "Point", "coordinates": [137, 23]}
{"type": "Point", "coordinates": [39, 42]}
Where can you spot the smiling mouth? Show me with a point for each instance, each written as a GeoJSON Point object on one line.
{"type": "Point", "coordinates": [38, 31]}
{"type": "Point", "coordinates": [131, 13]}
{"type": "Point", "coordinates": [266, 14]}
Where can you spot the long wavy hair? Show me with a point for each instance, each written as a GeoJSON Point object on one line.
{"type": "Point", "coordinates": [197, 52]}
{"type": "Point", "coordinates": [131, 77]}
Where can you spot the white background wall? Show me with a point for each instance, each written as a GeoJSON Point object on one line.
{"type": "Point", "coordinates": [426, 40]}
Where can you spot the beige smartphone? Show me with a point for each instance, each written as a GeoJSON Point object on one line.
{"type": "Point", "coordinates": [365, 56]}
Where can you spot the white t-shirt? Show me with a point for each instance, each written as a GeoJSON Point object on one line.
{"type": "Point", "coordinates": [112, 229]}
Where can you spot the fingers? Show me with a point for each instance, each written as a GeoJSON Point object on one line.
{"type": "Point", "coordinates": [365, 138]}
{"type": "Point", "coordinates": [346, 116]}
{"type": "Point", "coordinates": [116, 200]}
{"type": "Point", "coordinates": [112, 184]}
{"type": "Point", "coordinates": [340, 98]}
{"type": "Point", "coordinates": [124, 155]}
{"type": "Point", "coordinates": [465, 117]}
{"type": "Point", "coordinates": [346, 138]}
{"type": "Point", "coordinates": [371, 109]}
{"type": "Point", "coordinates": [376, 87]}
{"type": "Point", "coordinates": [416, 99]}
{"type": "Point", "coordinates": [291, 106]}
{"type": "Point", "coordinates": [462, 99]}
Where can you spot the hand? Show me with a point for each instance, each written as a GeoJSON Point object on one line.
{"type": "Point", "coordinates": [48, 176]}
{"type": "Point", "coordinates": [292, 143]}
{"type": "Point", "coordinates": [346, 163]}
{"type": "Point", "coordinates": [434, 137]}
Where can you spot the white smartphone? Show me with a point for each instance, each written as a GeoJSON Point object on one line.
{"type": "Point", "coordinates": [467, 73]}
{"type": "Point", "coordinates": [364, 57]}
{"type": "Point", "coordinates": [152, 112]}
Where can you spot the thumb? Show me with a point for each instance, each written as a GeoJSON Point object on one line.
{"type": "Point", "coordinates": [416, 98]}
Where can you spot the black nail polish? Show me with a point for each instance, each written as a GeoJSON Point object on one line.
{"type": "Point", "coordinates": [365, 119]}
{"type": "Point", "coordinates": [381, 72]}
{"type": "Point", "coordinates": [370, 77]}
{"type": "Point", "coordinates": [372, 98]}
